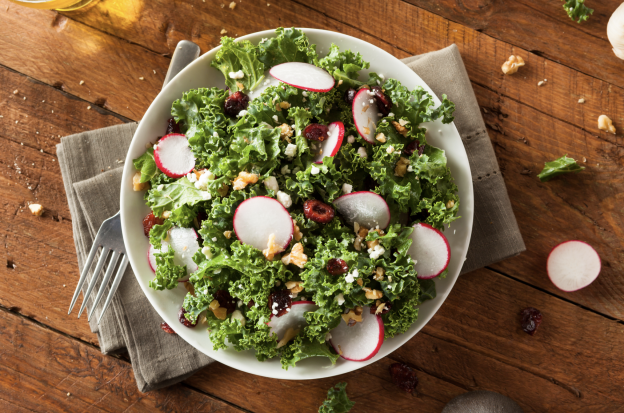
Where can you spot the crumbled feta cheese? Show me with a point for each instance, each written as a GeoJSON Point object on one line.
{"type": "Point", "coordinates": [328, 336]}
{"type": "Point", "coordinates": [160, 187]}
{"type": "Point", "coordinates": [376, 252]}
{"type": "Point", "coordinates": [241, 113]}
{"type": "Point", "coordinates": [391, 114]}
{"type": "Point", "coordinates": [285, 170]}
{"type": "Point", "coordinates": [206, 251]}
{"type": "Point", "coordinates": [340, 299]}
{"type": "Point", "coordinates": [351, 139]}
{"type": "Point", "coordinates": [372, 101]}
{"type": "Point", "coordinates": [237, 75]}
{"type": "Point", "coordinates": [239, 303]}
{"type": "Point", "coordinates": [403, 122]}
{"type": "Point", "coordinates": [215, 134]}
{"type": "Point", "coordinates": [274, 312]}
{"type": "Point", "coordinates": [202, 182]}
{"type": "Point", "coordinates": [347, 188]}
{"type": "Point", "coordinates": [284, 199]}
{"type": "Point", "coordinates": [304, 93]}
{"type": "Point", "coordinates": [291, 150]}
{"type": "Point", "coordinates": [205, 195]}
{"type": "Point", "coordinates": [410, 169]}
{"type": "Point", "coordinates": [350, 277]}
{"type": "Point", "coordinates": [214, 239]}
{"type": "Point", "coordinates": [362, 152]}
{"type": "Point", "coordinates": [191, 177]}
{"type": "Point", "coordinates": [275, 118]}
{"type": "Point", "coordinates": [390, 149]}
{"type": "Point", "coordinates": [315, 170]}
{"type": "Point", "coordinates": [271, 183]}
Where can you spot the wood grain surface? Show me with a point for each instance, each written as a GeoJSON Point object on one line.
{"type": "Point", "coordinates": [474, 341]}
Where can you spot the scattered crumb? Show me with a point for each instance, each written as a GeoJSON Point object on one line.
{"type": "Point", "coordinates": [581, 100]}
{"type": "Point", "coordinates": [154, 71]}
{"type": "Point", "coordinates": [68, 394]}
{"type": "Point", "coordinates": [24, 97]}
{"type": "Point", "coordinates": [141, 78]}
{"type": "Point", "coordinates": [584, 159]}
{"type": "Point", "coordinates": [540, 83]}
{"type": "Point", "coordinates": [88, 107]}
{"type": "Point", "coordinates": [233, 5]}
{"type": "Point", "coordinates": [223, 5]}
{"type": "Point", "coordinates": [36, 209]}
{"type": "Point", "coordinates": [15, 92]}
{"type": "Point", "coordinates": [82, 82]}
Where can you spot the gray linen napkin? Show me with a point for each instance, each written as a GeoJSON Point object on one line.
{"type": "Point", "coordinates": [91, 169]}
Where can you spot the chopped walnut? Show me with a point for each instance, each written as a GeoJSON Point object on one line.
{"type": "Point", "coordinates": [223, 190]}
{"type": "Point", "coordinates": [512, 65]}
{"type": "Point", "coordinates": [189, 287]}
{"type": "Point", "coordinates": [380, 307]}
{"type": "Point", "coordinates": [379, 274]}
{"type": "Point", "coordinates": [295, 287]}
{"type": "Point", "coordinates": [361, 234]}
{"type": "Point", "coordinates": [278, 107]}
{"type": "Point", "coordinates": [401, 129]}
{"type": "Point", "coordinates": [360, 282]}
{"type": "Point", "coordinates": [243, 179]}
{"type": "Point", "coordinates": [374, 243]}
{"type": "Point", "coordinates": [297, 232]}
{"type": "Point", "coordinates": [450, 204]}
{"type": "Point", "coordinates": [36, 209]}
{"type": "Point", "coordinates": [401, 167]}
{"type": "Point", "coordinates": [289, 335]}
{"type": "Point", "coordinates": [605, 124]}
{"type": "Point", "coordinates": [166, 214]}
{"type": "Point", "coordinates": [296, 256]}
{"type": "Point", "coordinates": [137, 185]}
{"type": "Point", "coordinates": [372, 294]}
{"type": "Point", "coordinates": [233, 5]}
{"type": "Point", "coordinates": [351, 317]}
{"type": "Point", "coordinates": [218, 311]}
{"type": "Point", "coordinates": [272, 248]}
{"type": "Point", "coordinates": [284, 105]}
{"type": "Point", "coordinates": [286, 132]}
{"type": "Point", "coordinates": [227, 234]}
{"type": "Point", "coordinates": [240, 86]}
{"type": "Point", "coordinates": [381, 137]}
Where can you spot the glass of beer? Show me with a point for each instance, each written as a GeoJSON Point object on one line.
{"type": "Point", "coordinates": [62, 5]}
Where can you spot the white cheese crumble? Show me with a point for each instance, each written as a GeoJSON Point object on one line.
{"type": "Point", "coordinates": [403, 122]}
{"type": "Point", "coordinates": [206, 251]}
{"type": "Point", "coordinates": [241, 113]}
{"type": "Point", "coordinates": [328, 336]}
{"type": "Point", "coordinates": [215, 134]}
{"type": "Point", "coordinates": [347, 188]}
{"type": "Point", "coordinates": [271, 183]}
{"type": "Point", "coordinates": [239, 303]}
{"type": "Point", "coordinates": [206, 195]}
{"type": "Point", "coordinates": [161, 186]}
{"type": "Point", "coordinates": [390, 149]}
{"type": "Point", "coordinates": [291, 150]}
{"type": "Point", "coordinates": [391, 115]}
{"type": "Point", "coordinates": [315, 170]}
{"type": "Point", "coordinates": [275, 118]}
{"type": "Point", "coordinates": [304, 93]}
{"type": "Point", "coordinates": [285, 170]}
{"type": "Point", "coordinates": [237, 75]}
{"type": "Point", "coordinates": [376, 252]}
{"type": "Point", "coordinates": [410, 169]}
{"type": "Point", "coordinates": [372, 101]}
{"type": "Point", "coordinates": [202, 182]}
{"type": "Point", "coordinates": [362, 152]}
{"type": "Point", "coordinates": [350, 277]}
{"type": "Point", "coordinates": [284, 199]}
{"type": "Point", "coordinates": [351, 139]}
{"type": "Point", "coordinates": [340, 299]}
{"type": "Point", "coordinates": [191, 177]}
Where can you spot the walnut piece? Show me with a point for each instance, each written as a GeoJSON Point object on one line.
{"type": "Point", "coordinates": [286, 131]}
{"type": "Point", "coordinates": [36, 209]}
{"type": "Point", "coordinates": [366, 130]}
{"type": "Point", "coordinates": [352, 317]}
{"type": "Point", "coordinates": [284, 105]}
{"type": "Point", "coordinates": [374, 243]}
{"type": "Point", "coordinates": [361, 234]}
{"type": "Point", "coordinates": [189, 287]}
{"type": "Point", "coordinates": [243, 179]}
{"type": "Point", "coordinates": [512, 65]}
{"type": "Point", "coordinates": [380, 307]}
{"type": "Point", "coordinates": [401, 167]}
{"type": "Point", "coordinates": [381, 137]}
{"type": "Point", "coordinates": [227, 234]}
{"type": "Point", "coordinates": [401, 129]}
{"type": "Point", "coordinates": [379, 274]}
{"type": "Point", "coordinates": [372, 294]}
{"type": "Point", "coordinates": [297, 232]}
{"type": "Point", "coordinates": [605, 124]}
{"type": "Point", "coordinates": [136, 183]}
{"type": "Point", "coordinates": [450, 204]}
{"type": "Point", "coordinates": [296, 256]}
{"type": "Point", "coordinates": [295, 287]}
{"type": "Point", "coordinates": [272, 248]}
{"type": "Point", "coordinates": [218, 311]}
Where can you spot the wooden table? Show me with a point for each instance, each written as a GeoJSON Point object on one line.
{"type": "Point", "coordinates": [121, 49]}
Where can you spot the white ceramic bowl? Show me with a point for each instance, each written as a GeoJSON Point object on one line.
{"type": "Point", "coordinates": [167, 303]}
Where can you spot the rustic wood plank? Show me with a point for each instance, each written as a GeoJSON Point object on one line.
{"type": "Point", "coordinates": [44, 371]}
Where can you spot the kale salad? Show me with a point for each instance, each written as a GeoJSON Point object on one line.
{"type": "Point", "coordinates": [301, 205]}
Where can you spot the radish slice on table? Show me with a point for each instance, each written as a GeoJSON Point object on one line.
{"type": "Point", "coordinates": [365, 115]}
{"type": "Point", "coordinates": [364, 207]}
{"type": "Point", "coordinates": [173, 155]}
{"type": "Point", "coordinates": [184, 242]}
{"type": "Point", "coordinates": [303, 76]}
{"type": "Point", "coordinates": [293, 319]}
{"type": "Point", "coordinates": [331, 145]}
{"type": "Point", "coordinates": [573, 265]}
{"type": "Point", "coordinates": [430, 250]}
{"type": "Point", "coordinates": [361, 341]}
{"type": "Point", "coordinates": [257, 218]}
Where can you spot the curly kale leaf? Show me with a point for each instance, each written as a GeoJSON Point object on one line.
{"type": "Point", "coordinates": [172, 196]}
{"type": "Point", "coordinates": [198, 106]}
{"type": "Point", "coordinates": [290, 45]}
{"type": "Point", "coordinates": [146, 165]}
{"type": "Point", "coordinates": [559, 167]}
{"type": "Point", "coordinates": [344, 66]}
{"type": "Point", "coordinates": [239, 55]}
{"type": "Point", "coordinates": [337, 400]}
{"type": "Point", "coordinates": [167, 273]}
{"type": "Point", "coordinates": [301, 349]}
{"type": "Point", "coordinates": [577, 10]}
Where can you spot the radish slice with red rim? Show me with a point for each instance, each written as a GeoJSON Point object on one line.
{"type": "Point", "coordinates": [365, 115]}
{"type": "Point", "coordinates": [364, 207]}
{"type": "Point", "coordinates": [184, 242]}
{"type": "Point", "coordinates": [151, 259]}
{"type": "Point", "coordinates": [173, 155]}
{"type": "Point", "coordinates": [292, 319]}
{"type": "Point", "coordinates": [573, 265]}
{"type": "Point", "coordinates": [431, 251]}
{"type": "Point", "coordinates": [331, 145]}
{"type": "Point", "coordinates": [257, 218]}
{"type": "Point", "coordinates": [303, 76]}
{"type": "Point", "coordinates": [361, 341]}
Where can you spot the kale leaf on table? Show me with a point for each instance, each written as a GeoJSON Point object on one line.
{"type": "Point", "coordinates": [577, 10]}
{"type": "Point", "coordinates": [558, 167]}
{"type": "Point", "coordinates": [337, 400]}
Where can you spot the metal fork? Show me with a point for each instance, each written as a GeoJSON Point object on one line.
{"type": "Point", "coordinates": [109, 236]}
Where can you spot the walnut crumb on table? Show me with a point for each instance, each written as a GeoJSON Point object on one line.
{"type": "Point", "coordinates": [512, 65]}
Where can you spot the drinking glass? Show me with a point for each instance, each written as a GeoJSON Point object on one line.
{"type": "Point", "coordinates": [62, 5]}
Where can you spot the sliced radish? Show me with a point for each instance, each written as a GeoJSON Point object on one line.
{"type": "Point", "coordinates": [173, 155]}
{"type": "Point", "coordinates": [430, 250]}
{"type": "Point", "coordinates": [151, 258]}
{"type": "Point", "coordinates": [573, 265]}
{"type": "Point", "coordinates": [185, 245]}
{"type": "Point", "coordinates": [366, 208]}
{"type": "Point", "coordinates": [361, 341]}
{"type": "Point", "coordinates": [293, 319]}
{"type": "Point", "coordinates": [365, 115]}
{"type": "Point", "coordinates": [257, 218]}
{"type": "Point", "coordinates": [331, 145]}
{"type": "Point", "coordinates": [303, 76]}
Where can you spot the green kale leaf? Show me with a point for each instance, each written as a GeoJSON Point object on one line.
{"type": "Point", "coordinates": [167, 273]}
{"type": "Point", "coordinates": [146, 164]}
{"type": "Point", "coordinates": [337, 400]}
{"type": "Point", "coordinates": [198, 106]}
{"type": "Point", "coordinates": [558, 167]}
{"type": "Point", "coordinates": [344, 66]}
{"type": "Point", "coordinates": [239, 55]}
{"type": "Point", "coordinates": [172, 196]}
{"type": "Point", "coordinates": [290, 45]}
{"type": "Point", "coordinates": [577, 10]}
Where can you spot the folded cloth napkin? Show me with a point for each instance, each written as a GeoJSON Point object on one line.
{"type": "Point", "coordinates": [91, 167]}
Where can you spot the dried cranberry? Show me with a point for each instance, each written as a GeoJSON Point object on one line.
{"type": "Point", "coordinates": [412, 147]}
{"type": "Point", "coordinates": [183, 319]}
{"type": "Point", "coordinates": [172, 126]}
{"type": "Point", "coordinates": [316, 132]}
{"type": "Point", "coordinates": [404, 377]}
{"type": "Point", "coordinates": [235, 103]}
{"type": "Point", "coordinates": [384, 104]}
{"type": "Point", "coordinates": [165, 327]}
{"type": "Point", "coordinates": [225, 300]}
{"type": "Point", "coordinates": [349, 96]}
{"type": "Point", "coordinates": [279, 302]}
{"type": "Point", "coordinates": [251, 303]}
{"type": "Point", "coordinates": [387, 307]}
{"type": "Point", "coordinates": [318, 211]}
{"type": "Point", "coordinates": [336, 266]}
{"type": "Point", "coordinates": [531, 319]}
{"type": "Point", "coordinates": [149, 221]}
